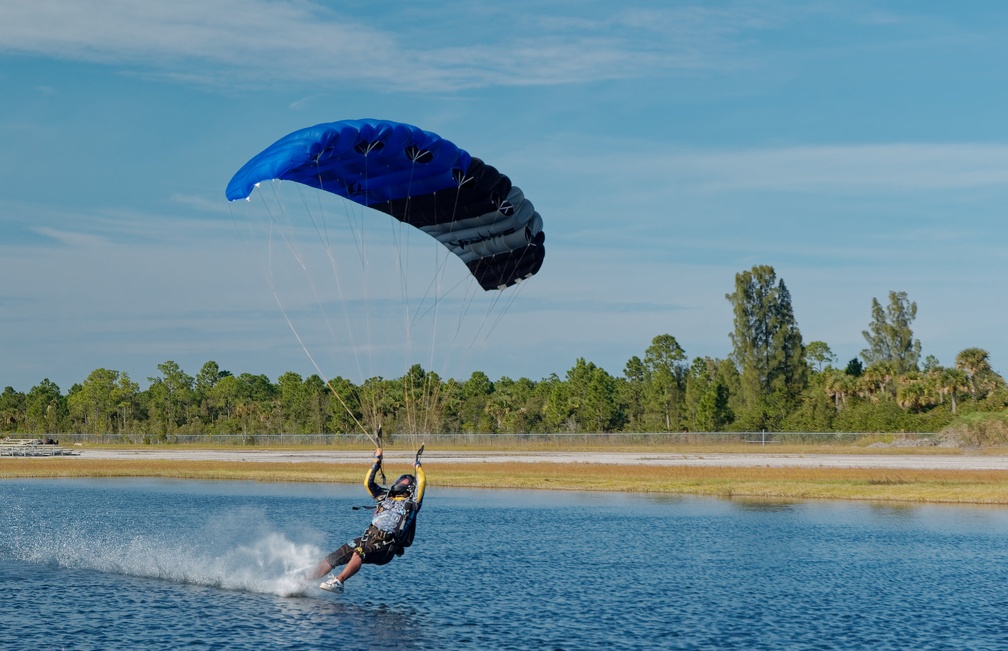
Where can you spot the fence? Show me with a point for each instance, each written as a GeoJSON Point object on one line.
{"type": "Point", "coordinates": [453, 439]}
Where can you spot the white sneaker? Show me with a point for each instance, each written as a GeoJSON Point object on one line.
{"type": "Point", "coordinates": [332, 585]}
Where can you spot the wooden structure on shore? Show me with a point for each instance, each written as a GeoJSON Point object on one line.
{"type": "Point", "coordinates": [33, 448]}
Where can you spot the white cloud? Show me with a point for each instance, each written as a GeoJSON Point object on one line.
{"type": "Point", "coordinates": [71, 238]}
{"type": "Point", "coordinates": [255, 40]}
{"type": "Point", "coordinates": [858, 168]}
{"type": "Point", "coordinates": [645, 167]}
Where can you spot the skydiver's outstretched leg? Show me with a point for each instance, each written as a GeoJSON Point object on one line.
{"type": "Point", "coordinates": [320, 571]}
{"type": "Point", "coordinates": [351, 568]}
{"type": "Point", "coordinates": [347, 555]}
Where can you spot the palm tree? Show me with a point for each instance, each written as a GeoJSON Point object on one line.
{"type": "Point", "coordinates": [832, 383]}
{"type": "Point", "coordinates": [975, 363]}
{"type": "Point", "coordinates": [838, 385]}
{"type": "Point", "coordinates": [950, 382]}
{"type": "Point", "coordinates": [876, 380]}
{"type": "Point", "coordinates": [912, 392]}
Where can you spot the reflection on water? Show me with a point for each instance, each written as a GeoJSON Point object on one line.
{"type": "Point", "coordinates": [766, 505]}
{"type": "Point", "coordinates": [165, 564]}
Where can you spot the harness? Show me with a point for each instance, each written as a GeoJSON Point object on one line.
{"type": "Point", "coordinates": [393, 519]}
{"type": "Point", "coordinates": [392, 515]}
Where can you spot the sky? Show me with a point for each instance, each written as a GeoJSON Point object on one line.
{"type": "Point", "coordinates": [859, 147]}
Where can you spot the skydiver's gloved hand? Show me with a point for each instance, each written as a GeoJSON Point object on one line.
{"type": "Point", "coordinates": [378, 455]}
{"type": "Point", "coordinates": [416, 463]}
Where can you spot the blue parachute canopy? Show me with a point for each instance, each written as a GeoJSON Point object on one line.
{"type": "Point", "coordinates": [418, 178]}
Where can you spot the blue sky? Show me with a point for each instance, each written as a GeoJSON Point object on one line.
{"type": "Point", "coordinates": [857, 147]}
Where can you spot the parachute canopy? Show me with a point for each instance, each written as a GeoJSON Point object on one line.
{"type": "Point", "coordinates": [418, 178]}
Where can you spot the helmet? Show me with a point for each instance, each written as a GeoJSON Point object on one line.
{"type": "Point", "coordinates": [403, 486]}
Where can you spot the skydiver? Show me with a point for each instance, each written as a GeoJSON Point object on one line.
{"type": "Point", "coordinates": [391, 530]}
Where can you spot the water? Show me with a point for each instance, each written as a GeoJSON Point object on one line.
{"type": "Point", "coordinates": [155, 564]}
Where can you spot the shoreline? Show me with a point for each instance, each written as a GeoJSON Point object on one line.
{"type": "Point", "coordinates": [779, 475]}
{"type": "Point", "coordinates": [663, 459]}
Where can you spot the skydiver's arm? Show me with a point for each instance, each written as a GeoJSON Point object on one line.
{"type": "Point", "coordinates": [369, 482]}
{"type": "Point", "coordinates": [421, 479]}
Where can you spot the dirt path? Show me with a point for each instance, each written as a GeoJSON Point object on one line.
{"type": "Point", "coordinates": [909, 461]}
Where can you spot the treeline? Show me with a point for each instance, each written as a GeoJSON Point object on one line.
{"type": "Point", "coordinates": [772, 381]}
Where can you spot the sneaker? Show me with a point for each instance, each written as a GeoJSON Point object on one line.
{"type": "Point", "coordinates": [332, 585]}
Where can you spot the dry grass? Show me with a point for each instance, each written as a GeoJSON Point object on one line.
{"type": "Point", "coordinates": [937, 486]}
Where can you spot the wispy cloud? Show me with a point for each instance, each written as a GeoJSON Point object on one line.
{"type": "Point", "coordinates": [213, 40]}
{"type": "Point", "coordinates": [71, 238]}
{"type": "Point", "coordinates": [848, 168]}
{"type": "Point", "coordinates": [851, 169]}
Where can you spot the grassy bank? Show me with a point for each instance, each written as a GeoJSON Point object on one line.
{"type": "Point", "coordinates": [909, 485]}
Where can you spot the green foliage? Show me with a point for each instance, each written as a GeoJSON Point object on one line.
{"type": "Point", "coordinates": [633, 393]}
{"type": "Point", "coordinates": [882, 416]}
{"type": "Point", "coordinates": [818, 405]}
{"type": "Point", "coordinates": [975, 363]}
{"type": "Point", "coordinates": [766, 343]}
{"type": "Point", "coordinates": [854, 368]}
{"type": "Point", "coordinates": [713, 413]}
{"type": "Point", "coordinates": [819, 354]}
{"type": "Point", "coordinates": [665, 380]}
{"type": "Point", "coordinates": [770, 382]}
{"type": "Point", "coordinates": [171, 399]}
{"type": "Point", "coordinates": [592, 396]}
{"type": "Point", "coordinates": [12, 408]}
{"type": "Point", "coordinates": [889, 335]}
{"type": "Point", "coordinates": [767, 413]}
{"type": "Point", "coordinates": [106, 402]}
{"type": "Point", "coordinates": [45, 408]}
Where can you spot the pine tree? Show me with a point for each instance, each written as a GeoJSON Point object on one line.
{"type": "Point", "coordinates": [767, 345]}
{"type": "Point", "coordinates": [889, 336]}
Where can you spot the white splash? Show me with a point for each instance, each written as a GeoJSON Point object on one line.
{"type": "Point", "coordinates": [239, 552]}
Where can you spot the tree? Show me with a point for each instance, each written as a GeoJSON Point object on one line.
{"type": "Point", "coordinates": [294, 405]}
{"type": "Point", "coordinates": [877, 381]}
{"type": "Point", "coordinates": [975, 363]}
{"type": "Point", "coordinates": [223, 398]}
{"type": "Point", "coordinates": [713, 412]}
{"type": "Point", "coordinates": [94, 406]}
{"type": "Point", "coordinates": [527, 414]}
{"type": "Point", "coordinates": [701, 373]}
{"type": "Point", "coordinates": [854, 368]}
{"type": "Point", "coordinates": [45, 408]}
{"type": "Point", "coordinates": [766, 343]}
{"type": "Point", "coordinates": [125, 397]}
{"type": "Point", "coordinates": [912, 392]}
{"type": "Point", "coordinates": [666, 378]}
{"type": "Point", "coordinates": [422, 400]}
{"type": "Point", "coordinates": [558, 408]}
{"type": "Point", "coordinates": [819, 354]}
{"type": "Point", "coordinates": [171, 396]}
{"type": "Point", "coordinates": [950, 382]}
{"type": "Point", "coordinates": [341, 403]}
{"type": "Point", "coordinates": [634, 389]}
{"type": "Point", "coordinates": [889, 336]}
{"type": "Point", "coordinates": [206, 380]}
{"type": "Point", "coordinates": [476, 394]}
{"type": "Point", "coordinates": [593, 396]}
{"type": "Point", "coordinates": [837, 385]}
{"type": "Point", "coordinates": [12, 409]}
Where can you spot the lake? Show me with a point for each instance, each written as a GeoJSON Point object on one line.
{"type": "Point", "coordinates": [157, 564]}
